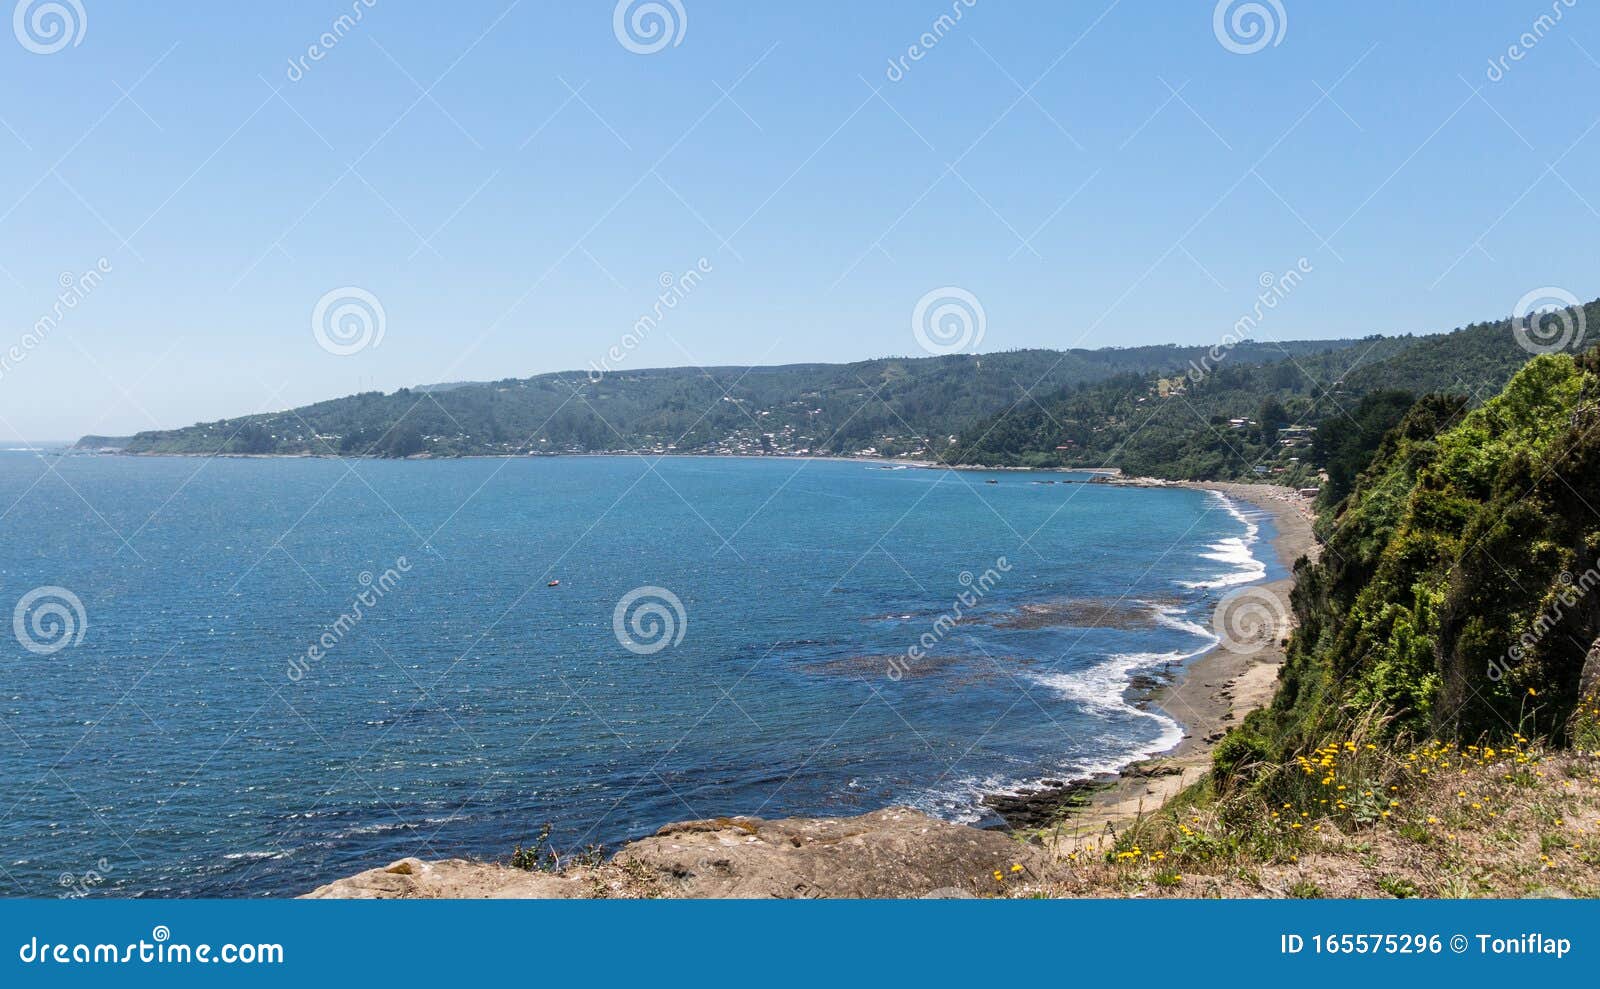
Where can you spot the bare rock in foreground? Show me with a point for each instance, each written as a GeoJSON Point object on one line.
{"type": "Point", "coordinates": [452, 879]}
{"type": "Point", "coordinates": [894, 852]}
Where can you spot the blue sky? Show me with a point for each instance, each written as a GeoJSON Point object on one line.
{"type": "Point", "coordinates": [510, 181]}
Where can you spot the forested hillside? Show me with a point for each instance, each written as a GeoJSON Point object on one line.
{"type": "Point", "coordinates": [1219, 423]}
{"type": "Point", "coordinates": [1246, 410]}
{"type": "Point", "coordinates": [1458, 594]}
{"type": "Point", "coordinates": [891, 406]}
{"type": "Point", "coordinates": [1224, 419]}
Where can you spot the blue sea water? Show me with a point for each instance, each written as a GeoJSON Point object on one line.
{"type": "Point", "coordinates": [228, 726]}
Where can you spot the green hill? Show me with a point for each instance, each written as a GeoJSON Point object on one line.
{"type": "Point", "coordinates": [892, 406]}
{"type": "Point", "coordinates": [1458, 594]}
{"type": "Point", "coordinates": [1226, 418]}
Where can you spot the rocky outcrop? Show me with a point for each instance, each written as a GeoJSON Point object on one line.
{"type": "Point", "coordinates": [895, 852]}
{"type": "Point", "coordinates": [452, 879]}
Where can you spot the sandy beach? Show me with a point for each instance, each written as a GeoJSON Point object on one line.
{"type": "Point", "coordinates": [1214, 692]}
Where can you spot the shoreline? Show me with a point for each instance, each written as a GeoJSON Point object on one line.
{"type": "Point", "coordinates": [1209, 694]}
{"type": "Point", "coordinates": [897, 851]}
{"type": "Point", "coordinates": [1102, 474]}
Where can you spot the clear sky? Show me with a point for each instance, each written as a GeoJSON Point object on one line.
{"type": "Point", "coordinates": [509, 181]}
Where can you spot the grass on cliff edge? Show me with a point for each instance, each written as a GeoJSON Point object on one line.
{"type": "Point", "coordinates": [1359, 817]}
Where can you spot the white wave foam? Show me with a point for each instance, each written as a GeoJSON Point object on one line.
{"type": "Point", "coordinates": [1100, 689]}
{"type": "Point", "coordinates": [383, 827]}
{"type": "Point", "coordinates": [254, 856]}
{"type": "Point", "coordinates": [1236, 551]}
{"type": "Point", "coordinates": [1103, 688]}
{"type": "Point", "coordinates": [961, 801]}
{"type": "Point", "coordinates": [1175, 618]}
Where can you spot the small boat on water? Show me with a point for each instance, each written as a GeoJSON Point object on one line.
{"type": "Point", "coordinates": [554, 583]}
{"type": "Point", "coordinates": [991, 481]}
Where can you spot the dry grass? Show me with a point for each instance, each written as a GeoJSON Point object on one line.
{"type": "Point", "coordinates": [1358, 818]}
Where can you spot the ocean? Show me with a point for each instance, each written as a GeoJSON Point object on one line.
{"type": "Point", "coordinates": [247, 677]}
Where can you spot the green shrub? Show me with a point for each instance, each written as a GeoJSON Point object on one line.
{"type": "Point", "coordinates": [1239, 755]}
